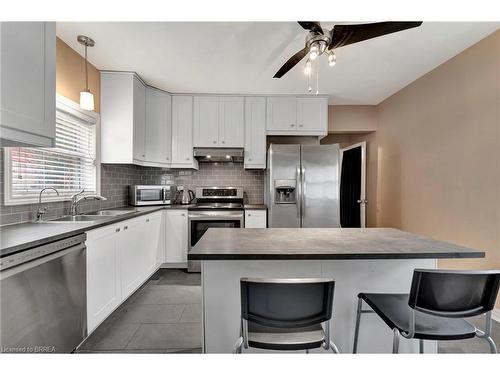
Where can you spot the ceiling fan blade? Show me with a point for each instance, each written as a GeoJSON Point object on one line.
{"type": "Point", "coordinates": [292, 61]}
{"type": "Point", "coordinates": [311, 26]}
{"type": "Point", "coordinates": [343, 35]}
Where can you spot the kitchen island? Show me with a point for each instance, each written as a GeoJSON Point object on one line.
{"type": "Point", "coordinates": [360, 260]}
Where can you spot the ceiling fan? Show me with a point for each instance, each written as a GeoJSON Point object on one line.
{"type": "Point", "coordinates": [322, 41]}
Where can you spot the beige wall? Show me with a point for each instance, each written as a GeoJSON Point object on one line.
{"type": "Point", "coordinates": [434, 162]}
{"type": "Point", "coordinates": [352, 118]}
{"type": "Point", "coordinates": [70, 74]}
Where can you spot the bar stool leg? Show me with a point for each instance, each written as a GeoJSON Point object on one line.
{"type": "Point", "coordinates": [493, 347]}
{"type": "Point", "coordinates": [334, 347]}
{"type": "Point", "coordinates": [421, 346]}
{"type": "Point", "coordinates": [238, 345]}
{"type": "Point", "coordinates": [356, 329]}
{"type": "Point", "coordinates": [395, 341]}
{"type": "Point", "coordinates": [307, 351]}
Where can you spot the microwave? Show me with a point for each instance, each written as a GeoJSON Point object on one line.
{"type": "Point", "coordinates": [149, 195]}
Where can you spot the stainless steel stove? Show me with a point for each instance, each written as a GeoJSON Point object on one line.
{"type": "Point", "coordinates": [215, 207]}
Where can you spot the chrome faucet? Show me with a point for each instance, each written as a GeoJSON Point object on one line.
{"type": "Point", "coordinates": [76, 198]}
{"type": "Point", "coordinates": [41, 210]}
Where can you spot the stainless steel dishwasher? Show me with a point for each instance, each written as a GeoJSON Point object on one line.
{"type": "Point", "coordinates": [43, 298]}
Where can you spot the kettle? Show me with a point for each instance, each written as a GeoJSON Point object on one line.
{"type": "Point", "coordinates": [185, 196]}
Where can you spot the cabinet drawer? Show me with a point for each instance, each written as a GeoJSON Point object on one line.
{"type": "Point", "coordinates": [255, 219]}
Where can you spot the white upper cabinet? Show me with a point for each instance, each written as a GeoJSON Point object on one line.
{"type": "Point", "coordinates": [158, 127]}
{"type": "Point", "coordinates": [206, 121]}
{"type": "Point", "coordinates": [312, 114]}
{"type": "Point", "coordinates": [231, 121]}
{"type": "Point", "coordinates": [123, 117]}
{"type": "Point", "coordinates": [288, 115]}
{"type": "Point", "coordinates": [27, 83]}
{"type": "Point", "coordinates": [139, 98]}
{"type": "Point", "coordinates": [255, 132]}
{"type": "Point", "coordinates": [182, 132]}
{"type": "Point", "coordinates": [219, 121]}
{"type": "Point", "coordinates": [281, 114]}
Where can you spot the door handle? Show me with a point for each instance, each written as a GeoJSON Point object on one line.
{"type": "Point", "coordinates": [304, 190]}
{"type": "Point", "coordinates": [298, 191]}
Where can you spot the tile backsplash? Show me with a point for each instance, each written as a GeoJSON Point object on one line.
{"type": "Point", "coordinates": [115, 179]}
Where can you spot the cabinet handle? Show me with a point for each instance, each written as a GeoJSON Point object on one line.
{"type": "Point", "coordinates": [143, 155]}
{"type": "Point", "coordinates": [125, 227]}
{"type": "Point", "coordinates": [183, 214]}
{"type": "Point", "coordinates": [215, 141]}
{"type": "Point", "coordinates": [187, 158]}
{"type": "Point", "coordinates": [249, 159]}
{"type": "Point", "coordinates": [117, 229]}
{"type": "Point", "coordinates": [292, 125]}
{"type": "Point", "coordinates": [167, 158]}
{"type": "Point", "coordinates": [147, 220]}
{"type": "Point", "coordinates": [223, 142]}
{"type": "Point", "coordinates": [249, 215]}
{"type": "Point", "coordinates": [300, 126]}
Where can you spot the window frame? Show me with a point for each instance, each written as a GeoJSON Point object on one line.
{"type": "Point", "coordinates": [73, 108]}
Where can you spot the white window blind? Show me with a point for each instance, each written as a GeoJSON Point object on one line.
{"type": "Point", "coordinates": [69, 167]}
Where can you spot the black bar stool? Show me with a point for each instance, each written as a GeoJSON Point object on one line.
{"type": "Point", "coordinates": [286, 314]}
{"type": "Point", "coordinates": [435, 308]}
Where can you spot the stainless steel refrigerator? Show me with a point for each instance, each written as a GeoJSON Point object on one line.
{"type": "Point", "coordinates": [302, 186]}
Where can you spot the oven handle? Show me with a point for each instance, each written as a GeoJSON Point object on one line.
{"type": "Point", "coordinates": [215, 216]}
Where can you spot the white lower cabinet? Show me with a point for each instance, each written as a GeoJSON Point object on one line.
{"type": "Point", "coordinates": [103, 274]}
{"type": "Point", "coordinates": [255, 219]}
{"type": "Point", "coordinates": [177, 231]}
{"type": "Point", "coordinates": [120, 257]}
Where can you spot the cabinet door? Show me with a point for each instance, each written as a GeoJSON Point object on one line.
{"type": "Point", "coordinates": [139, 120]}
{"type": "Point", "coordinates": [28, 83]}
{"type": "Point", "coordinates": [232, 121]}
{"type": "Point", "coordinates": [158, 127]}
{"type": "Point", "coordinates": [132, 255]}
{"type": "Point", "coordinates": [281, 114]}
{"type": "Point", "coordinates": [206, 121]}
{"type": "Point", "coordinates": [103, 274]}
{"type": "Point", "coordinates": [154, 243]}
{"type": "Point", "coordinates": [182, 132]}
{"type": "Point", "coordinates": [177, 236]}
{"type": "Point", "coordinates": [312, 115]}
{"type": "Point", "coordinates": [255, 132]}
{"type": "Point", "coordinates": [255, 219]}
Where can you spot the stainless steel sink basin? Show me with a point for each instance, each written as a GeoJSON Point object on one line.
{"type": "Point", "coordinates": [78, 218]}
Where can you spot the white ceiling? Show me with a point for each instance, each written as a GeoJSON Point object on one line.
{"type": "Point", "coordinates": [212, 57]}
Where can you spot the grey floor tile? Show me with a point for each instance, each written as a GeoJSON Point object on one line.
{"type": "Point", "coordinates": [176, 277]}
{"type": "Point", "coordinates": [168, 336]}
{"type": "Point", "coordinates": [191, 313]}
{"type": "Point", "coordinates": [167, 294]}
{"type": "Point", "coordinates": [133, 313]}
{"type": "Point", "coordinates": [110, 336]}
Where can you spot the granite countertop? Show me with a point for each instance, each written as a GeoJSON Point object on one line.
{"type": "Point", "coordinates": [323, 243]}
{"type": "Point", "coordinates": [255, 207]}
{"type": "Point", "coordinates": [18, 237]}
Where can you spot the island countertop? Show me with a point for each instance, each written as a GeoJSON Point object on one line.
{"type": "Point", "coordinates": [323, 243]}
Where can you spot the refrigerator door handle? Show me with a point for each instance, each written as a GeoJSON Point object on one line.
{"type": "Point", "coordinates": [298, 193]}
{"type": "Point", "coordinates": [303, 193]}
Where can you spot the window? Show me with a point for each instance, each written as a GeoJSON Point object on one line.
{"type": "Point", "coordinates": [69, 167]}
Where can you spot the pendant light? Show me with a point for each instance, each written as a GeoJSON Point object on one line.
{"type": "Point", "coordinates": [86, 97]}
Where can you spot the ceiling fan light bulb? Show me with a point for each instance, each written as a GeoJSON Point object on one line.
{"type": "Point", "coordinates": [332, 59]}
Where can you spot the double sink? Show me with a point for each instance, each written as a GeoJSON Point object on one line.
{"type": "Point", "coordinates": [94, 216]}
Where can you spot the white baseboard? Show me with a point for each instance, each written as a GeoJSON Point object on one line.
{"type": "Point", "coordinates": [495, 315]}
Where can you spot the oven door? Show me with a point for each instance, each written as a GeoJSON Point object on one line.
{"type": "Point", "coordinates": [201, 221]}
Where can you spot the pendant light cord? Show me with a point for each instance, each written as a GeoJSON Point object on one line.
{"type": "Point", "coordinates": [86, 72]}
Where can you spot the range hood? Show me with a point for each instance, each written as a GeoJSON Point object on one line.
{"type": "Point", "coordinates": [218, 155]}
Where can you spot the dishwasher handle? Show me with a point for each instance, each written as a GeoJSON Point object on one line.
{"type": "Point", "coordinates": [38, 261]}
